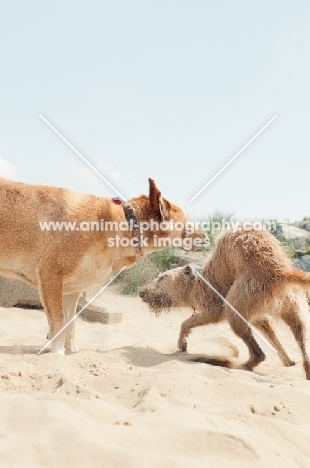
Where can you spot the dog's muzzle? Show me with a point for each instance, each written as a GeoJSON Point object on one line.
{"type": "Point", "coordinates": [156, 300]}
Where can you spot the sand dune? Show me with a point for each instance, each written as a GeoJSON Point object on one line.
{"type": "Point", "coordinates": [128, 399]}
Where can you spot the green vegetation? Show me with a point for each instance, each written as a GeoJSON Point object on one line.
{"type": "Point", "coordinates": [294, 246]}
{"type": "Point", "coordinates": [148, 268]}
{"type": "Point", "coordinates": [296, 249]}
{"type": "Point", "coordinates": [290, 247]}
{"type": "Point", "coordinates": [216, 217]}
{"type": "Point", "coordinates": [145, 270]}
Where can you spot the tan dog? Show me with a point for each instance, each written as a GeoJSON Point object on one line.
{"type": "Point", "coordinates": [252, 271]}
{"type": "Point", "coordinates": [62, 264]}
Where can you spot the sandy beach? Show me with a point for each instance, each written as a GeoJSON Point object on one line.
{"type": "Point", "coordinates": [128, 399]}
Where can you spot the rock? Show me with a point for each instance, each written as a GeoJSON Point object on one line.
{"type": "Point", "coordinates": [14, 293]}
{"type": "Point", "coordinates": [303, 262]}
{"type": "Point", "coordinates": [288, 231]}
{"type": "Point", "coordinates": [97, 314]}
{"type": "Point", "coordinates": [296, 238]}
{"type": "Point", "coordinates": [305, 224]}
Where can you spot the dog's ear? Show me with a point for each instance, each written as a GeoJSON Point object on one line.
{"type": "Point", "coordinates": [159, 206]}
{"type": "Point", "coordinates": [164, 206]}
{"type": "Point", "coordinates": [189, 272]}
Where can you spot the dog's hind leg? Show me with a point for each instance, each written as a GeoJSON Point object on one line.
{"type": "Point", "coordinates": [197, 320]}
{"type": "Point", "coordinates": [244, 332]}
{"type": "Point", "coordinates": [293, 317]}
{"type": "Point", "coordinates": [246, 305]}
{"type": "Point", "coordinates": [50, 289]}
{"type": "Point", "coordinates": [265, 325]}
{"type": "Point", "coordinates": [69, 304]}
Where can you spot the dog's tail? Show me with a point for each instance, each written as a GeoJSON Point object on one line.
{"type": "Point", "coordinates": [302, 278]}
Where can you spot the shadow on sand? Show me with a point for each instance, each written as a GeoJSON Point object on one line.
{"type": "Point", "coordinates": [150, 357]}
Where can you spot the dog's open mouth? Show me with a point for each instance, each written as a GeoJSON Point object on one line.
{"type": "Point", "coordinates": [157, 303]}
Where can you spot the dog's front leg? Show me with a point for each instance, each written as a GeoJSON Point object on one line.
{"type": "Point", "coordinates": [205, 317]}
{"type": "Point", "coordinates": [50, 327]}
{"type": "Point", "coordinates": [50, 289]}
{"type": "Point", "coordinates": [69, 304]}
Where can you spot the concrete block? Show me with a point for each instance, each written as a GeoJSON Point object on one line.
{"type": "Point", "coordinates": [95, 313]}
{"type": "Point", "coordinates": [14, 293]}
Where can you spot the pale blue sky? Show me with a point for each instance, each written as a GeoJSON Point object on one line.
{"type": "Point", "coordinates": [164, 89]}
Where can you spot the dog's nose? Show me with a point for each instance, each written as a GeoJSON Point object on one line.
{"type": "Point", "coordinates": [142, 294]}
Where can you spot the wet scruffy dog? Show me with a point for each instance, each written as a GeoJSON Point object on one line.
{"type": "Point", "coordinates": [255, 275]}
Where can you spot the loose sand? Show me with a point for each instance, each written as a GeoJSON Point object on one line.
{"type": "Point", "coordinates": [127, 399]}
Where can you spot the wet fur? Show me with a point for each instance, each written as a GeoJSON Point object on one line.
{"type": "Point", "coordinates": [256, 276]}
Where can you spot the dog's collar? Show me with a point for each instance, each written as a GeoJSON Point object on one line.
{"type": "Point", "coordinates": [131, 220]}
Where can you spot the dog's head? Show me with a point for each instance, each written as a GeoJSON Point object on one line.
{"type": "Point", "coordinates": [171, 289]}
{"type": "Point", "coordinates": [165, 224]}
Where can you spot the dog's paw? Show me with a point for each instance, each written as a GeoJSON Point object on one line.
{"type": "Point", "coordinates": [289, 363]}
{"type": "Point", "coordinates": [72, 348]}
{"type": "Point", "coordinates": [182, 347]}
